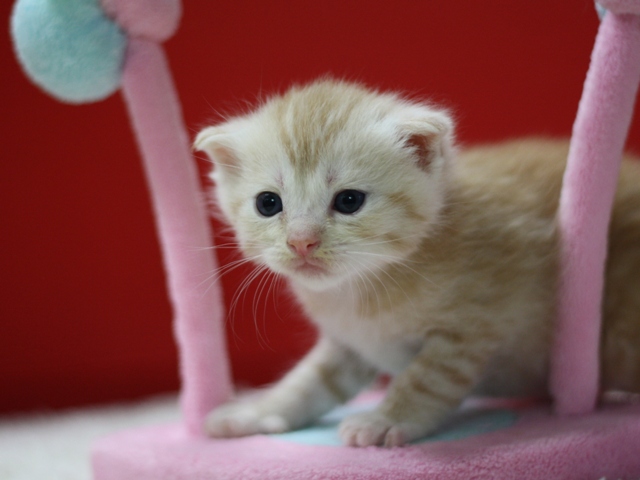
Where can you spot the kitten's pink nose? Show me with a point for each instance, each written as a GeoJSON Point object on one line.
{"type": "Point", "coordinates": [303, 245]}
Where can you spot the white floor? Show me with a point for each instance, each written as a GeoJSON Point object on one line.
{"type": "Point", "coordinates": [56, 446]}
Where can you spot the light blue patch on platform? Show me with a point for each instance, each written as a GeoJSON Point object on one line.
{"type": "Point", "coordinates": [465, 423]}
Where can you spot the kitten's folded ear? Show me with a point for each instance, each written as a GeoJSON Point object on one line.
{"type": "Point", "coordinates": [429, 133]}
{"type": "Point", "coordinates": [216, 143]}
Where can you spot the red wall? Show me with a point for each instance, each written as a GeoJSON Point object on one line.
{"type": "Point", "coordinates": [83, 308]}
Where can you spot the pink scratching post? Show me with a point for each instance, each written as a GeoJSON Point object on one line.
{"type": "Point", "coordinates": [77, 51]}
{"type": "Point", "coordinates": [527, 444]}
{"type": "Point", "coordinates": [183, 227]}
{"type": "Point", "coordinates": [598, 139]}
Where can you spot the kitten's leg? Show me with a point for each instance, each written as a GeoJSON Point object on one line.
{"type": "Point", "coordinates": [330, 374]}
{"type": "Point", "coordinates": [436, 381]}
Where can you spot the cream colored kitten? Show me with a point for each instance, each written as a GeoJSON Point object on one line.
{"type": "Point", "coordinates": [437, 268]}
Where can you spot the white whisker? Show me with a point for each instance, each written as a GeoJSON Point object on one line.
{"type": "Point", "coordinates": [372, 272]}
{"type": "Point", "coordinates": [272, 280]}
{"type": "Point", "coordinates": [399, 263]}
{"type": "Point", "coordinates": [216, 274]}
{"type": "Point", "coordinates": [362, 243]}
{"type": "Point", "coordinates": [241, 292]}
{"type": "Point", "coordinates": [264, 277]}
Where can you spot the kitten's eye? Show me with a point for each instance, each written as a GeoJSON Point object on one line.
{"type": "Point", "coordinates": [348, 201]}
{"type": "Point", "coordinates": [268, 204]}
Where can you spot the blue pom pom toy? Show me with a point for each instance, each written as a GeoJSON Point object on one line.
{"type": "Point", "coordinates": [69, 48]}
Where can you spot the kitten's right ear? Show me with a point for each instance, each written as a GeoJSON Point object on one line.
{"type": "Point", "coordinates": [429, 133]}
{"type": "Point", "coordinates": [215, 142]}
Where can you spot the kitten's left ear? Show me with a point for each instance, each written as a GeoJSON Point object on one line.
{"type": "Point", "coordinates": [429, 133]}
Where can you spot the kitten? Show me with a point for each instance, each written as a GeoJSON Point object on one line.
{"type": "Point", "coordinates": [435, 267]}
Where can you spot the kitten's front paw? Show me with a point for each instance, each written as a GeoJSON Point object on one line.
{"type": "Point", "coordinates": [242, 419]}
{"type": "Point", "coordinates": [374, 428]}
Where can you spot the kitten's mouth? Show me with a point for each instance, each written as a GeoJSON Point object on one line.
{"type": "Point", "coordinates": [309, 267]}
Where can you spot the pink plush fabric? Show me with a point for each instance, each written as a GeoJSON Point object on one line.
{"type": "Point", "coordinates": [540, 446]}
{"type": "Point", "coordinates": [598, 139]}
{"type": "Point", "coordinates": [155, 20]}
{"type": "Point", "coordinates": [183, 230]}
{"type": "Point", "coordinates": [621, 6]}
{"type": "Point", "coordinates": [183, 227]}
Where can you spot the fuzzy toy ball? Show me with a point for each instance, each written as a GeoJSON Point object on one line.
{"type": "Point", "coordinates": [46, 36]}
{"type": "Point", "coordinates": [83, 51]}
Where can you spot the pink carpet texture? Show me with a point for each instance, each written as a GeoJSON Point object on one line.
{"type": "Point", "coordinates": [538, 446]}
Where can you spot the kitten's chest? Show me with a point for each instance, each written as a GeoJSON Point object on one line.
{"type": "Point", "coordinates": [381, 339]}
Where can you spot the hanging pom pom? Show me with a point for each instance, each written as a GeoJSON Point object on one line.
{"type": "Point", "coordinates": [70, 48]}
{"type": "Point", "coordinates": [619, 7]}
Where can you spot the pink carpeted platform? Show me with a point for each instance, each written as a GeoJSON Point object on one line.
{"type": "Point", "coordinates": [539, 445]}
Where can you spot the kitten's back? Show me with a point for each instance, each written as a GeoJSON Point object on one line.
{"type": "Point", "coordinates": [526, 176]}
{"type": "Point", "coordinates": [621, 335]}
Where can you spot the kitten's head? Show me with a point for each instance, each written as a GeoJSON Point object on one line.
{"type": "Point", "coordinates": [330, 181]}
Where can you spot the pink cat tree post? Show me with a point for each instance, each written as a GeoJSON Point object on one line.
{"type": "Point", "coordinates": [598, 139]}
{"type": "Point", "coordinates": [183, 230]}
{"type": "Point", "coordinates": [62, 45]}
{"type": "Point", "coordinates": [183, 227]}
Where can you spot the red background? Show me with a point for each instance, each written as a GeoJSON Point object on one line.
{"type": "Point", "coordinates": [83, 306]}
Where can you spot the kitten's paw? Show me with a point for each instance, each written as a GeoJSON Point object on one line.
{"type": "Point", "coordinates": [374, 428]}
{"type": "Point", "coordinates": [242, 419]}
{"type": "Point", "coordinates": [364, 429]}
